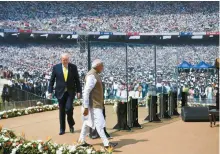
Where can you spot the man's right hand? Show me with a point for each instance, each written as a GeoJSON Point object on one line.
{"type": "Point", "coordinates": [50, 96]}
{"type": "Point", "coordinates": [86, 111]}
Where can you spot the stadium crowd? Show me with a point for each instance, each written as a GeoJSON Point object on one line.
{"type": "Point", "coordinates": [111, 16]}
{"type": "Point", "coordinates": [29, 67]}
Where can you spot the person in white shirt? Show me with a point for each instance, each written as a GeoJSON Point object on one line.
{"type": "Point", "coordinates": [209, 92]}
{"type": "Point", "coordinates": [118, 93]}
{"type": "Point", "coordinates": [93, 105]}
{"type": "Point", "coordinates": [132, 93]}
{"type": "Point", "coordinates": [115, 88]}
{"type": "Point", "coordinates": [124, 94]}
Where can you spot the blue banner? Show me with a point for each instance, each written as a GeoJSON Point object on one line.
{"type": "Point", "coordinates": [1, 30]}
{"type": "Point", "coordinates": [106, 33]}
{"type": "Point", "coordinates": [185, 33]}
{"type": "Point", "coordinates": [10, 30]}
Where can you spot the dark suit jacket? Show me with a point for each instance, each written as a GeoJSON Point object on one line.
{"type": "Point", "coordinates": [72, 84]}
{"type": "Point", "coordinates": [5, 91]}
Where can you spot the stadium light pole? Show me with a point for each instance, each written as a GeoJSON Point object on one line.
{"type": "Point", "coordinates": [155, 64]}
{"type": "Point", "coordinates": [177, 72]}
{"type": "Point", "coordinates": [126, 56]}
{"type": "Point", "coordinates": [89, 55]}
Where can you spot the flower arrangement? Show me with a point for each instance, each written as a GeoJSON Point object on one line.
{"type": "Point", "coordinates": [12, 144]}
{"type": "Point", "coordinates": [77, 102]}
{"type": "Point", "coordinates": [26, 111]}
{"type": "Point", "coordinates": [193, 104]}
{"type": "Point", "coordinates": [110, 101]}
{"type": "Point", "coordinates": [42, 108]}
{"type": "Point", "coordinates": [115, 101]}
{"type": "Point", "coordinates": [142, 103]}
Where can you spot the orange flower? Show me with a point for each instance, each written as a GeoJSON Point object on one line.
{"type": "Point", "coordinates": [48, 138]}
{"type": "Point", "coordinates": [4, 115]}
{"type": "Point", "coordinates": [34, 145]}
{"type": "Point", "coordinates": [1, 128]}
{"type": "Point", "coordinates": [8, 143]}
{"type": "Point", "coordinates": [7, 134]}
{"type": "Point", "coordinates": [110, 149]}
{"type": "Point", "coordinates": [45, 148]}
{"type": "Point", "coordinates": [23, 134]}
{"type": "Point", "coordinates": [74, 142]}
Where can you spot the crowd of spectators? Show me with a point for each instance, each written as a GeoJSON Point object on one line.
{"type": "Point", "coordinates": [111, 16]}
{"type": "Point", "coordinates": [30, 66]}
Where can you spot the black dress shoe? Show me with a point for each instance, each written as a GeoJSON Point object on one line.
{"type": "Point", "coordinates": [111, 145]}
{"type": "Point", "coordinates": [61, 133]}
{"type": "Point", "coordinates": [72, 130]}
{"type": "Point", "coordinates": [109, 137]}
{"type": "Point", "coordinates": [84, 144]}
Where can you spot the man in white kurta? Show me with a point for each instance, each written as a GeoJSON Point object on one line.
{"type": "Point", "coordinates": [93, 104]}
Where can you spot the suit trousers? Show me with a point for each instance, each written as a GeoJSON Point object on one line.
{"type": "Point", "coordinates": [66, 107]}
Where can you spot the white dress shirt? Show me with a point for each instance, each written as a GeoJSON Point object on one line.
{"type": "Point", "coordinates": [124, 94]}
{"type": "Point", "coordinates": [132, 93]}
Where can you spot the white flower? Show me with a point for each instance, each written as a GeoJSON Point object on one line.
{"type": "Point", "coordinates": [60, 150]}
{"type": "Point", "coordinates": [4, 130]}
{"type": "Point", "coordinates": [72, 148]}
{"type": "Point", "coordinates": [55, 144]}
{"type": "Point", "coordinates": [26, 111]}
{"type": "Point", "coordinates": [39, 103]}
{"type": "Point", "coordinates": [5, 138]}
{"type": "Point", "coordinates": [40, 148]}
{"type": "Point", "coordinates": [89, 151]}
{"type": "Point", "coordinates": [25, 145]}
{"type": "Point", "coordinates": [14, 151]}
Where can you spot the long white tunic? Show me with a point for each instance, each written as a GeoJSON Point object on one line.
{"type": "Point", "coordinates": [93, 112]}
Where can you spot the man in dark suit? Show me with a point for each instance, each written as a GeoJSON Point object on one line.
{"type": "Point", "coordinates": [5, 93]}
{"type": "Point", "coordinates": [67, 81]}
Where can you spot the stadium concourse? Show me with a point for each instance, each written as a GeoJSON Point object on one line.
{"type": "Point", "coordinates": [167, 137]}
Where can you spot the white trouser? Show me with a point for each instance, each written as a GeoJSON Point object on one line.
{"type": "Point", "coordinates": [99, 123]}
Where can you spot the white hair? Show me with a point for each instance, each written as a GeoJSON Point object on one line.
{"type": "Point", "coordinates": [96, 63]}
{"type": "Point", "coordinates": [65, 55]}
